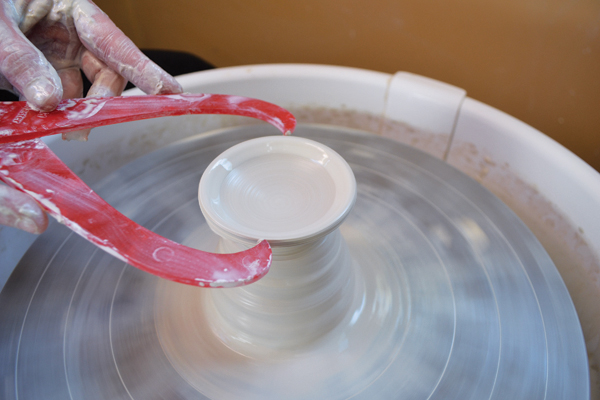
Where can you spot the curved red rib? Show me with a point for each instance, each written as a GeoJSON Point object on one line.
{"type": "Point", "coordinates": [18, 122]}
{"type": "Point", "coordinates": [30, 166]}
{"type": "Point", "coordinates": [33, 168]}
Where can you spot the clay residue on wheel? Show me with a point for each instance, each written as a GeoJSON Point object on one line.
{"type": "Point", "coordinates": [429, 142]}
{"type": "Point", "coordinates": [577, 263]}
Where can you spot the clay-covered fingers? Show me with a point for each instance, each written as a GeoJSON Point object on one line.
{"type": "Point", "coordinates": [109, 44]}
{"type": "Point", "coordinates": [105, 81]}
{"type": "Point", "coordinates": [24, 66]}
{"type": "Point", "coordinates": [73, 88]}
{"type": "Point", "coordinates": [21, 211]}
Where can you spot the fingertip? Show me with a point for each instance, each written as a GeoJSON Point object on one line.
{"type": "Point", "coordinates": [79, 136]}
{"type": "Point", "coordinates": [169, 85]}
{"type": "Point", "coordinates": [155, 80]}
{"type": "Point", "coordinates": [152, 79]}
{"type": "Point", "coordinates": [42, 94]}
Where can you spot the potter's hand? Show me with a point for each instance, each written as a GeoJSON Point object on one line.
{"type": "Point", "coordinates": [43, 44]}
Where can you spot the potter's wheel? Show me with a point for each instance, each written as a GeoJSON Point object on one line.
{"type": "Point", "coordinates": [463, 302]}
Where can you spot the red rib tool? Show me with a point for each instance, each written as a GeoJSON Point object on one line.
{"type": "Point", "coordinates": [19, 122]}
{"type": "Point", "coordinates": [33, 168]}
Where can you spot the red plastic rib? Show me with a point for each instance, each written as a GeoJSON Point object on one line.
{"type": "Point", "coordinates": [32, 167]}
{"type": "Point", "coordinates": [18, 122]}
{"type": "Point", "coordinates": [27, 164]}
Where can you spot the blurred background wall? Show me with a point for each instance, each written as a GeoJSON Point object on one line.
{"type": "Point", "coordinates": [538, 60]}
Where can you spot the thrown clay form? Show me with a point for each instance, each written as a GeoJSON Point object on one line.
{"type": "Point", "coordinates": [294, 192]}
{"type": "Point", "coordinates": [287, 190]}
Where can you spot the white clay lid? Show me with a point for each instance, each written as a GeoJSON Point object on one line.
{"type": "Point", "coordinates": [285, 189]}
